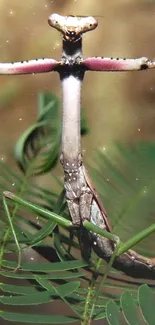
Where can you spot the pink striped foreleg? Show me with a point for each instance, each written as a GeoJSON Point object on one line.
{"type": "Point", "coordinates": [116, 64]}
{"type": "Point", "coordinates": [28, 67]}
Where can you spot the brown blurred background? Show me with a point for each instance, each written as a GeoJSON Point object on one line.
{"type": "Point", "coordinates": [119, 106]}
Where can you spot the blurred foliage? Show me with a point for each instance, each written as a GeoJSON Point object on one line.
{"type": "Point", "coordinates": [125, 179]}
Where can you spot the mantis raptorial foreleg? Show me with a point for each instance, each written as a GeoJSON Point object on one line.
{"type": "Point", "coordinates": [92, 210]}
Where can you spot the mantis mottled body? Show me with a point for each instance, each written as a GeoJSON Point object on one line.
{"type": "Point", "coordinates": [83, 203]}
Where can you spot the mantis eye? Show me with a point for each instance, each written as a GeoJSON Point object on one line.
{"type": "Point", "coordinates": [54, 21]}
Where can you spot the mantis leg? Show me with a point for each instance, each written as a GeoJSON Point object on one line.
{"type": "Point", "coordinates": [105, 245]}
{"type": "Point", "coordinates": [84, 237]}
{"type": "Point", "coordinates": [79, 199]}
{"type": "Point", "coordinates": [126, 260]}
{"type": "Point", "coordinates": [116, 64]}
{"type": "Point", "coordinates": [29, 67]}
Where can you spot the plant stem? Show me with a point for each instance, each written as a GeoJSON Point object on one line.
{"type": "Point", "coordinates": [87, 319]}
{"type": "Point", "coordinates": [92, 292]}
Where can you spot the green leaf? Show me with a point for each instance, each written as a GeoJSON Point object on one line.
{"type": "Point", "coordinates": [42, 233]}
{"type": "Point", "coordinates": [41, 297]}
{"type": "Point", "coordinates": [16, 289]}
{"type": "Point", "coordinates": [39, 145]}
{"type": "Point", "coordinates": [37, 318]}
{"type": "Point", "coordinates": [129, 306]}
{"type": "Point", "coordinates": [99, 315]}
{"type": "Point", "coordinates": [146, 300]}
{"type": "Point", "coordinates": [46, 266]}
{"type": "Point", "coordinates": [112, 313]}
{"type": "Point", "coordinates": [63, 289]}
{"type": "Point", "coordinates": [52, 276]}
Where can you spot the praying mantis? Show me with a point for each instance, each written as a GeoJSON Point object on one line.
{"type": "Point", "coordinates": [82, 199]}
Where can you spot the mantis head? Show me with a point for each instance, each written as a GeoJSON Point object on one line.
{"type": "Point", "coordinates": [72, 26]}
